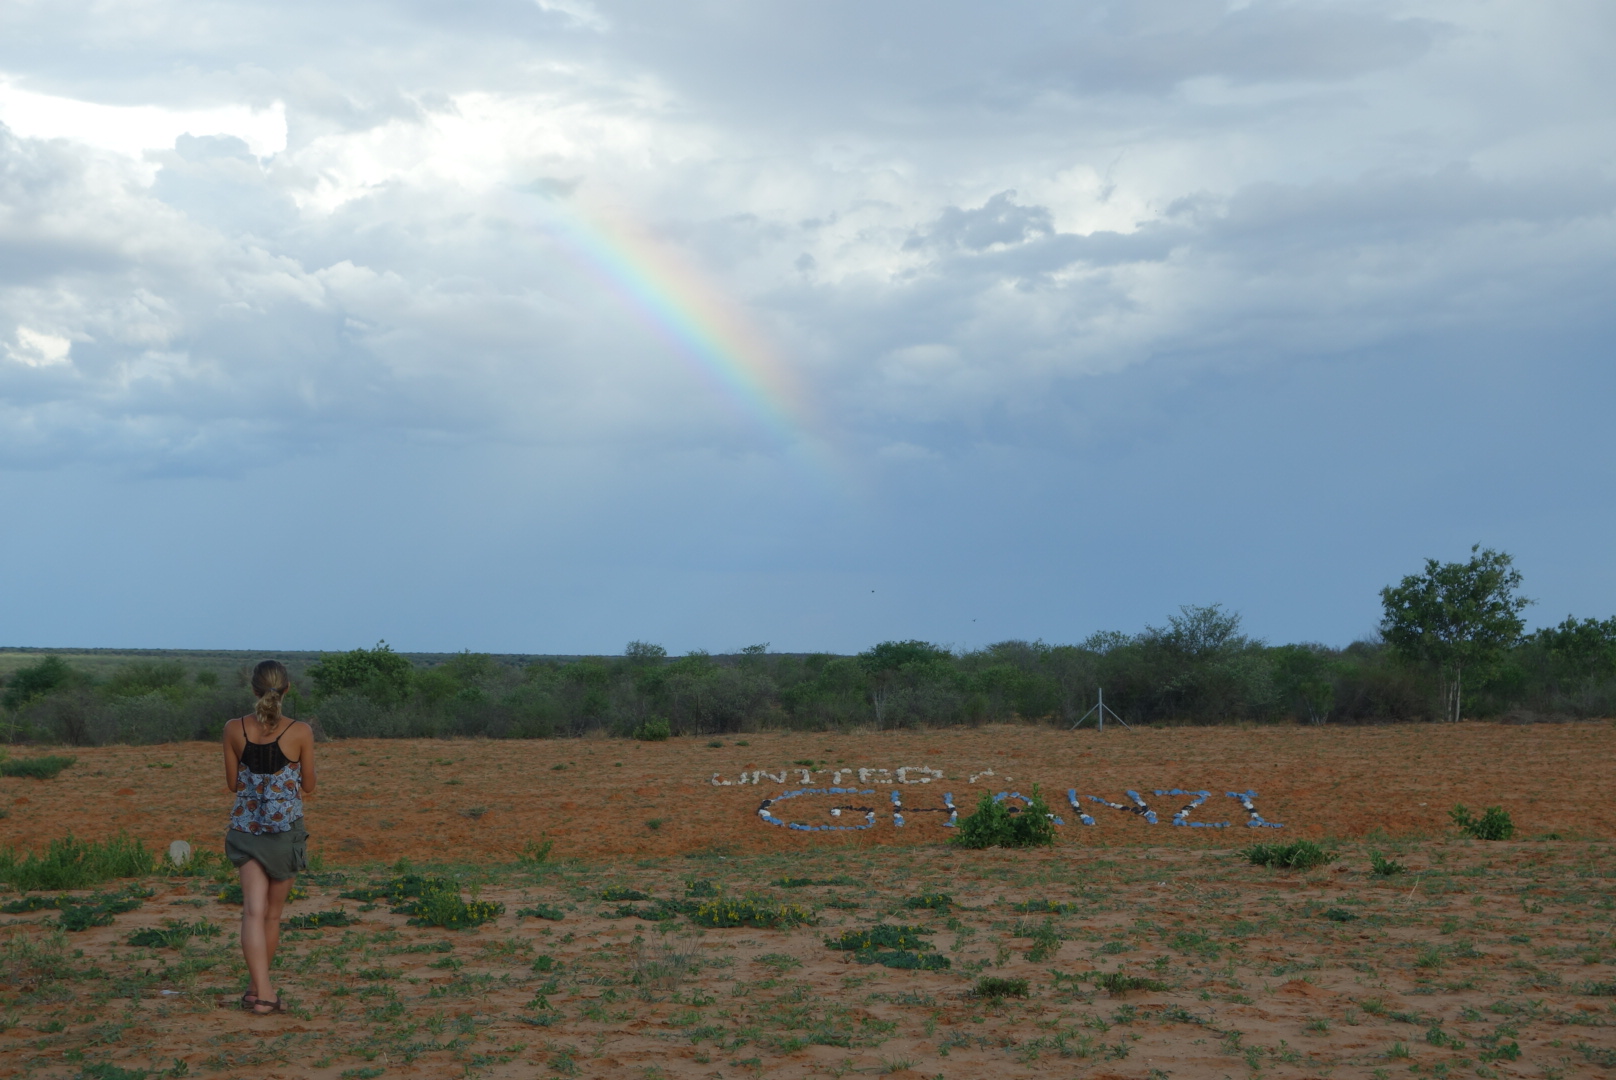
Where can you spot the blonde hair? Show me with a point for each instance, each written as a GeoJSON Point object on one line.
{"type": "Point", "coordinates": [270, 682]}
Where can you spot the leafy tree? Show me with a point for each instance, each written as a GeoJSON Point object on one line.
{"type": "Point", "coordinates": [36, 680]}
{"type": "Point", "coordinates": [1455, 617]}
{"type": "Point", "coordinates": [379, 674]}
{"type": "Point", "coordinates": [896, 665]}
{"type": "Point", "coordinates": [644, 653]}
{"type": "Point", "coordinates": [1302, 674]}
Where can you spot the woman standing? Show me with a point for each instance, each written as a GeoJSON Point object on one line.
{"type": "Point", "coordinates": [269, 767]}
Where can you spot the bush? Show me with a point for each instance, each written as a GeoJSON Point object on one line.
{"type": "Point", "coordinates": [996, 989]}
{"type": "Point", "coordinates": [763, 914]}
{"type": "Point", "coordinates": [98, 908]}
{"type": "Point", "coordinates": [319, 920]}
{"type": "Point", "coordinates": [1384, 867]}
{"type": "Point", "coordinates": [173, 934]}
{"type": "Point", "coordinates": [448, 910]}
{"type": "Point", "coordinates": [993, 824]}
{"type": "Point", "coordinates": [541, 911]}
{"type": "Point", "coordinates": [655, 729]}
{"type": "Point", "coordinates": [882, 936]}
{"type": "Point", "coordinates": [1116, 983]}
{"type": "Point", "coordinates": [1297, 855]}
{"type": "Point", "coordinates": [930, 902]}
{"type": "Point", "coordinates": [76, 864]}
{"type": "Point", "coordinates": [1494, 823]}
{"type": "Point", "coordinates": [40, 768]}
{"type": "Point", "coordinates": [902, 959]}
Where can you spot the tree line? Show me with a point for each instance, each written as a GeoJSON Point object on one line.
{"type": "Point", "coordinates": [1451, 644]}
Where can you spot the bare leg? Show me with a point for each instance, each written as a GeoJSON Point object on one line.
{"type": "Point", "coordinates": [278, 891]}
{"type": "Point", "coordinates": [261, 901]}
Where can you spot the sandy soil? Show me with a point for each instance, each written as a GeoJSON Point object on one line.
{"type": "Point", "coordinates": [473, 799]}
{"type": "Point", "coordinates": [1481, 959]}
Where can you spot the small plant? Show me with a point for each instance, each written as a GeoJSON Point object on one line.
{"type": "Point", "coordinates": [930, 902]}
{"type": "Point", "coordinates": [1384, 867]}
{"type": "Point", "coordinates": [448, 910]}
{"type": "Point", "coordinates": [1336, 914]}
{"type": "Point", "coordinates": [764, 914]}
{"type": "Point", "coordinates": [1046, 941]}
{"type": "Point", "coordinates": [1297, 855]}
{"type": "Point", "coordinates": [1494, 823]}
{"type": "Point", "coordinates": [654, 824]}
{"type": "Point", "coordinates": [1117, 983]}
{"type": "Point", "coordinates": [69, 863]}
{"type": "Point", "coordinates": [654, 729]}
{"type": "Point", "coordinates": [541, 911]}
{"type": "Point", "coordinates": [319, 920]}
{"type": "Point", "coordinates": [700, 888]}
{"type": "Point", "coordinates": [994, 988]}
{"type": "Point", "coordinates": [620, 892]}
{"type": "Point", "coordinates": [993, 824]}
{"type": "Point", "coordinates": [173, 934]}
{"type": "Point", "coordinates": [535, 853]}
{"type": "Point", "coordinates": [98, 908]}
{"type": "Point", "coordinates": [39, 768]}
{"type": "Point", "coordinates": [714, 744]}
{"type": "Point", "coordinates": [1036, 907]}
{"type": "Point", "coordinates": [881, 936]}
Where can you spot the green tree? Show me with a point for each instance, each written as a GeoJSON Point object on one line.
{"type": "Point", "coordinates": [1302, 677]}
{"type": "Point", "coordinates": [379, 674]}
{"type": "Point", "coordinates": [36, 680]}
{"type": "Point", "coordinates": [1455, 617]}
{"type": "Point", "coordinates": [897, 665]}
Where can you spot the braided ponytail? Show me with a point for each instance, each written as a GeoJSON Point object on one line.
{"type": "Point", "coordinates": [270, 682]}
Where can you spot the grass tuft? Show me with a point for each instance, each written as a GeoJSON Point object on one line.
{"type": "Point", "coordinates": [1493, 824]}
{"type": "Point", "coordinates": [1296, 855]}
{"type": "Point", "coordinates": [39, 768]}
{"type": "Point", "coordinates": [69, 863]}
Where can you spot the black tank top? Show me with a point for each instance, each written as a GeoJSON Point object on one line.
{"type": "Point", "coordinates": [264, 759]}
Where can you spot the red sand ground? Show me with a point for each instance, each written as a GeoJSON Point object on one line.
{"type": "Point", "coordinates": [382, 799]}
{"type": "Point", "coordinates": [1488, 944]}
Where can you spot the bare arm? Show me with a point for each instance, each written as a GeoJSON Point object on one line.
{"type": "Point", "coordinates": [233, 738]}
{"type": "Point", "coordinates": [305, 757]}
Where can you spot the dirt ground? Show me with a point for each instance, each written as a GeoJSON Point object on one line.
{"type": "Point", "coordinates": [1478, 959]}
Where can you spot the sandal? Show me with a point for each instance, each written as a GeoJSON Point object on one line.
{"type": "Point", "coordinates": [272, 1007]}
{"type": "Point", "coordinates": [248, 1001]}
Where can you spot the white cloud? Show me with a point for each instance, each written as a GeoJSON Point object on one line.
{"type": "Point", "coordinates": [38, 349]}
{"type": "Point", "coordinates": [133, 129]}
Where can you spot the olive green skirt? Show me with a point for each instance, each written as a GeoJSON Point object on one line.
{"type": "Point", "coordinates": [281, 854]}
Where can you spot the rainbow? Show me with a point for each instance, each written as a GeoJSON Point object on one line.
{"type": "Point", "coordinates": [683, 308]}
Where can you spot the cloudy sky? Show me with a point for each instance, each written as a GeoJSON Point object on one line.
{"type": "Point", "coordinates": [542, 326]}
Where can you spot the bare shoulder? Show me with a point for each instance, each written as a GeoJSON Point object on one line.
{"type": "Point", "coordinates": [233, 730]}
{"type": "Point", "coordinates": [302, 732]}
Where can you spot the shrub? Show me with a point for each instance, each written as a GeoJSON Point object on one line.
{"type": "Point", "coordinates": [1336, 914]}
{"type": "Point", "coordinates": [98, 908]}
{"type": "Point", "coordinates": [618, 892]}
{"type": "Point", "coordinates": [994, 825]}
{"type": "Point", "coordinates": [654, 729]}
{"type": "Point", "coordinates": [1297, 855]}
{"type": "Point", "coordinates": [902, 959]}
{"type": "Point", "coordinates": [541, 911]}
{"type": "Point", "coordinates": [448, 910]}
{"type": "Point", "coordinates": [930, 902]}
{"type": "Point", "coordinates": [763, 914]}
{"type": "Point", "coordinates": [319, 920]}
{"type": "Point", "coordinates": [535, 853]}
{"type": "Point", "coordinates": [1117, 983]}
{"type": "Point", "coordinates": [995, 989]}
{"type": "Point", "coordinates": [1052, 907]}
{"type": "Point", "coordinates": [882, 936]}
{"type": "Point", "coordinates": [1384, 867]}
{"type": "Point", "coordinates": [76, 864]}
{"type": "Point", "coordinates": [400, 888]}
{"type": "Point", "coordinates": [1494, 823]}
{"type": "Point", "coordinates": [41, 768]}
{"type": "Point", "coordinates": [173, 934]}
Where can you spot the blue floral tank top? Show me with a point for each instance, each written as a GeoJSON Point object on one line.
{"type": "Point", "coordinates": [268, 802]}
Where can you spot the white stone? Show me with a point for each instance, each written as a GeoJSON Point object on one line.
{"type": "Point", "coordinates": [179, 853]}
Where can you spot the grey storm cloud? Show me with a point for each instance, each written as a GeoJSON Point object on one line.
{"type": "Point", "coordinates": [955, 228]}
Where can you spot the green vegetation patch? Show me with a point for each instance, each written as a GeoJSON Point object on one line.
{"type": "Point", "coordinates": [1117, 983]}
{"type": "Point", "coordinates": [40, 768]}
{"type": "Point", "coordinates": [541, 911]}
{"type": "Point", "coordinates": [1296, 855]}
{"type": "Point", "coordinates": [994, 988]}
{"type": "Point", "coordinates": [937, 901]}
{"type": "Point", "coordinates": [1493, 824]}
{"type": "Point", "coordinates": [993, 824]}
{"type": "Point", "coordinates": [173, 933]}
{"type": "Point", "coordinates": [751, 911]}
{"type": "Point", "coordinates": [70, 863]}
{"type": "Point", "coordinates": [1384, 867]}
{"type": "Point", "coordinates": [98, 909]}
{"type": "Point", "coordinates": [882, 936]}
{"type": "Point", "coordinates": [319, 920]}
